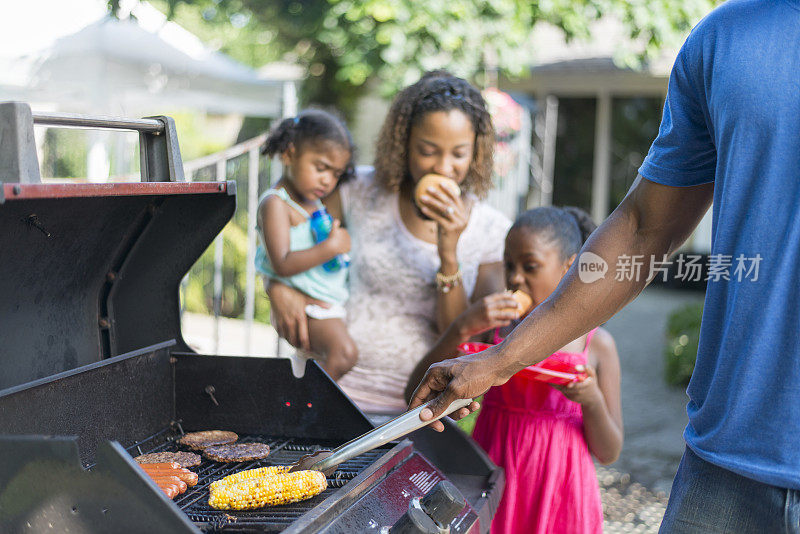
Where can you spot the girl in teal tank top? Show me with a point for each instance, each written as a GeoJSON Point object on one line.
{"type": "Point", "coordinates": [316, 151]}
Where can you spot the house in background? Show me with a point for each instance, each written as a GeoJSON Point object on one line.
{"type": "Point", "coordinates": [594, 120]}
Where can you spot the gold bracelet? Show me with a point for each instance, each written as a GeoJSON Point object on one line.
{"type": "Point", "coordinates": [446, 282]}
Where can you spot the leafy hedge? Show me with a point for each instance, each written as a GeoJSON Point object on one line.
{"type": "Point", "coordinates": [683, 337]}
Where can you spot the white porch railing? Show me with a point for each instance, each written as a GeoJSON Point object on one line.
{"type": "Point", "coordinates": [219, 162]}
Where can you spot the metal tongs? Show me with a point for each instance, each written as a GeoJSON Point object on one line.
{"type": "Point", "coordinates": [327, 461]}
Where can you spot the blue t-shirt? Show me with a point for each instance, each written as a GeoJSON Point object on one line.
{"type": "Point", "coordinates": [732, 117]}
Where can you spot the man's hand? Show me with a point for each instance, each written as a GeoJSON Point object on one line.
{"type": "Point", "coordinates": [466, 377]}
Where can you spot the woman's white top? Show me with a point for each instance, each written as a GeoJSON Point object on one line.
{"type": "Point", "coordinates": [391, 312]}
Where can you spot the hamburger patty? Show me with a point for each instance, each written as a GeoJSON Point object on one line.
{"type": "Point", "coordinates": [237, 452]}
{"type": "Point", "coordinates": [185, 459]}
{"type": "Point", "coordinates": [207, 438]}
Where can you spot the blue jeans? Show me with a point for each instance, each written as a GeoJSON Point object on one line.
{"type": "Point", "coordinates": [707, 499]}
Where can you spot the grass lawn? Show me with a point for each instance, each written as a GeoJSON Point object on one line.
{"type": "Point", "coordinates": [468, 423]}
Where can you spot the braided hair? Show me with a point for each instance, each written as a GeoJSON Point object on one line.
{"type": "Point", "coordinates": [569, 227]}
{"type": "Point", "coordinates": [312, 126]}
{"type": "Point", "coordinates": [436, 91]}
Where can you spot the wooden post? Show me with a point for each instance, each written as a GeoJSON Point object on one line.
{"type": "Point", "coordinates": [601, 176]}
{"type": "Point", "coordinates": [549, 148]}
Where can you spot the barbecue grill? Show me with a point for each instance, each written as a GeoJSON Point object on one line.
{"type": "Point", "coordinates": [96, 371]}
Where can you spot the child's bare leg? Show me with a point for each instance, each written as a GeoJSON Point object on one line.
{"type": "Point", "coordinates": [329, 339]}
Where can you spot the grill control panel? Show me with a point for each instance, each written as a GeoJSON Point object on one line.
{"type": "Point", "coordinates": [403, 492]}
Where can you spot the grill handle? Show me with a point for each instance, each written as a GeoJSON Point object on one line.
{"type": "Point", "coordinates": [158, 142]}
{"type": "Point", "coordinates": [74, 120]}
{"type": "Point", "coordinates": [390, 431]}
{"type": "Point", "coordinates": [160, 156]}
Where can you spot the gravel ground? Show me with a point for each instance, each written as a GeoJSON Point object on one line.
{"type": "Point", "coordinates": [628, 506]}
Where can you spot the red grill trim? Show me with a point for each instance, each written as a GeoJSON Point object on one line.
{"type": "Point", "coordinates": [26, 191]}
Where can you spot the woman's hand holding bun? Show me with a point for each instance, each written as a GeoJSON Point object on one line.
{"type": "Point", "coordinates": [434, 181]}
{"type": "Point", "coordinates": [439, 198]}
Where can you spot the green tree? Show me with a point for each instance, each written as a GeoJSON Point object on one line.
{"type": "Point", "coordinates": [345, 43]}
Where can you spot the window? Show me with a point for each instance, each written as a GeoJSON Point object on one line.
{"type": "Point", "coordinates": [572, 175]}
{"type": "Point", "coordinates": [634, 126]}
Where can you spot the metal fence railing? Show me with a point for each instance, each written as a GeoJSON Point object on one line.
{"type": "Point", "coordinates": [197, 170]}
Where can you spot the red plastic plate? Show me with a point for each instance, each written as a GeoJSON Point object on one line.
{"type": "Point", "coordinates": [472, 348]}
{"type": "Point", "coordinates": [544, 372]}
{"type": "Point", "coordinates": [550, 370]}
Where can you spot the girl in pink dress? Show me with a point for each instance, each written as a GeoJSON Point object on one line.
{"type": "Point", "coordinates": [544, 435]}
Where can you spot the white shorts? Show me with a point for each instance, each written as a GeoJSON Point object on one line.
{"type": "Point", "coordinates": [336, 311]}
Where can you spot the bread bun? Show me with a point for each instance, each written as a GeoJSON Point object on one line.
{"type": "Point", "coordinates": [524, 301]}
{"type": "Point", "coordinates": [434, 180]}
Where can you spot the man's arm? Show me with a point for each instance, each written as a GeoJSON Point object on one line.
{"type": "Point", "coordinates": [652, 220]}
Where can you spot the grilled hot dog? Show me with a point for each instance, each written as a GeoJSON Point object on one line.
{"type": "Point", "coordinates": [189, 477]}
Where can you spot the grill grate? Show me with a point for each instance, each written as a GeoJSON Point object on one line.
{"type": "Point", "coordinates": [194, 502]}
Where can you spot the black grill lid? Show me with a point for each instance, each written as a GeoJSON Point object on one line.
{"type": "Point", "coordinates": [91, 271]}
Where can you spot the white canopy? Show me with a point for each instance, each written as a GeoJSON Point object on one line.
{"type": "Point", "coordinates": [136, 65]}
{"type": "Point", "coordinates": [72, 56]}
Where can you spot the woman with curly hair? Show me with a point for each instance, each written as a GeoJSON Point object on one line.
{"type": "Point", "coordinates": [415, 265]}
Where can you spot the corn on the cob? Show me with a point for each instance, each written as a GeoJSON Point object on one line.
{"type": "Point", "coordinates": [252, 473]}
{"type": "Point", "coordinates": [275, 487]}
